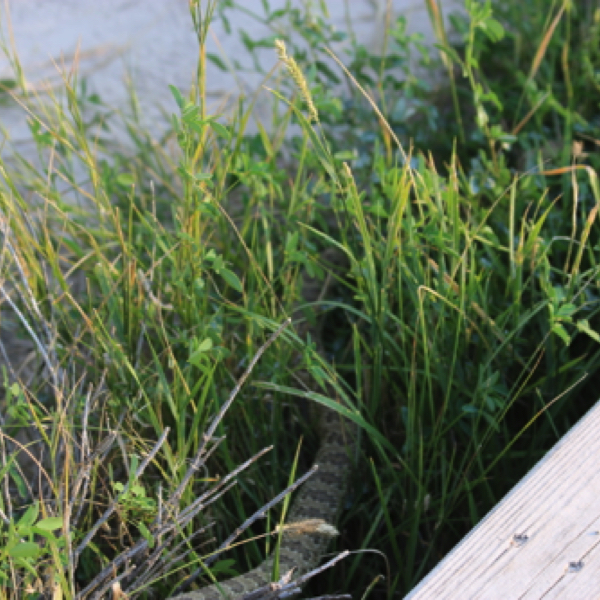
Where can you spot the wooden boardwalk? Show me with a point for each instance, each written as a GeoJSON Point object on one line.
{"type": "Point", "coordinates": [542, 540]}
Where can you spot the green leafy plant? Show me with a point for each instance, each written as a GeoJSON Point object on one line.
{"type": "Point", "coordinates": [27, 545]}
{"type": "Point", "coordinates": [464, 326]}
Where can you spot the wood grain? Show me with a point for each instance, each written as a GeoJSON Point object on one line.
{"type": "Point", "coordinates": [542, 540]}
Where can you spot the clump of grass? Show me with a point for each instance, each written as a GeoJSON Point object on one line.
{"type": "Point", "coordinates": [464, 328]}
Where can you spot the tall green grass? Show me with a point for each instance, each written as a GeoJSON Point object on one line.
{"type": "Point", "coordinates": [464, 330]}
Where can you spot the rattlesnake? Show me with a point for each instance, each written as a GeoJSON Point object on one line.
{"type": "Point", "coordinates": [319, 498]}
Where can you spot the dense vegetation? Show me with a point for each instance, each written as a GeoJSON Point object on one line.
{"type": "Point", "coordinates": [461, 184]}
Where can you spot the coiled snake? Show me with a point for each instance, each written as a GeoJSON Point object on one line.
{"type": "Point", "coordinates": [319, 498]}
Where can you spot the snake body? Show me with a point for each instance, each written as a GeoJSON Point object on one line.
{"type": "Point", "coordinates": [319, 498]}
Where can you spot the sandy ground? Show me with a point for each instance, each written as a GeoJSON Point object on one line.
{"type": "Point", "coordinates": [154, 41]}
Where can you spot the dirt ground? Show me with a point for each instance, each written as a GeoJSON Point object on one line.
{"type": "Point", "coordinates": [154, 41]}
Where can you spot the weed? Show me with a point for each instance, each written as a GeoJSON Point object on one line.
{"type": "Point", "coordinates": [464, 328]}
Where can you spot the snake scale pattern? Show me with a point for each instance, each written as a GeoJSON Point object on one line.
{"type": "Point", "coordinates": [319, 498]}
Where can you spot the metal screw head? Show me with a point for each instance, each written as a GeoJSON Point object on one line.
{"type": "Point", "coordinates": [518, 539]}
{"type": "Point", "coordinates": [575, 567]}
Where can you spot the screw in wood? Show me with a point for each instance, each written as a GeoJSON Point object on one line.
{"type": "Point", "coordinates": [518, 539]}
{"type": "Point", "coordinates": [575, 567]}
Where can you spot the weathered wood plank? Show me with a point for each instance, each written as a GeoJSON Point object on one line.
{"type": "Point", "coordinates": [542, 540]}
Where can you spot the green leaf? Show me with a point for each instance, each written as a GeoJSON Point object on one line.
{"type": "Point", "coordinates": [205, 345]}
{"type": "Point", "coordinates": [138, 491]}
{"type": "Point", "coordinates": [190, 114]}
{"type": "Point", "coordinates": [346, 155]}
{"type": "Point", "coordinates": [25, 550]}
{"type": "Point", "coordinates": [224, 566]}
{"type": "Point", "coordinates": [197, 356]}
{"type": "Point", "coordinates": [30, 516]}
{"type": "Point", "coordinates": [493, 29]}
{"type": "Point", "coordinates": [203, 176]}
{"type": "Point", "coordinates": [584, 327]}
{"type": "Point", "coordinates": [450, 52]}
{"type": "Point", "coordinates": [50, 524]}
{"type": "Point", "coordinates": [378, 210]}
{"type": "Point", "coordinates": [217, 263]}
{"type": "Point", "coordinates": [146, 534]}
{"type": "Point", "coordinates": [561, 332]}
{"type": "Point", "coordinates": [132, 471]}
{"type": "Point", "coordinates": [17, 479]}
{"type": "Point", "coordinates": [490, 419]}
{"type": "Point", "coordinates": [220, 130]}
{"type": "Point", "coordinates": [565, 311]}
{"type": "Point", "coordinates": [219, 353]}
{"type": "Point", "coordinates": [481, 116]}
{"type": "Point", "coordinates": [216, 60]}
{"type": "Point", "coordinates": [177, 95]}
{"type": "Point", "coordinates": [291, 242]}
{"type": "Point", "coordinates": [197, 127]}
{"type": "Point", "coordinates": [232, 279]}
{"type": "Point", "coordinates": [302, 258]}
{"type": "Point", "coordinates": [125, 180]}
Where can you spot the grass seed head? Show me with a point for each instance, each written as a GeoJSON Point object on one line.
{"type": "Point", "coordinates": [298, 78]}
